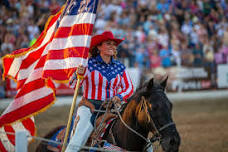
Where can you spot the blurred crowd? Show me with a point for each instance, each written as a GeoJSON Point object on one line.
{"type": "Point", "coordinates": [164, 33]}
{"type": "Point", "coordinates": [157, 33]}
{"type": "Point", "coordinates": [21, 22]}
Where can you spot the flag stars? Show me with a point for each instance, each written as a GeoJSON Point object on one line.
{"type": "Point", "coordinates": [109, 71]}
{"type": "Point", "coordinates": [90, 68]}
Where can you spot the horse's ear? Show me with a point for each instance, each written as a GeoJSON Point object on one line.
{"type": "Point", "coordinates": [164, 82]}
{"type": "Point", "coordinates": [150, 84]}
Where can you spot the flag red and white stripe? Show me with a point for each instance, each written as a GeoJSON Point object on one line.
{"type": "Point", "coordinates": [61, 47]}
{"type": "Point", "coordinates": [91, 91]}
{"type": "Point", "coordinates": [70, 45]}
{"type": "Point", "coordinates": [7, 133]}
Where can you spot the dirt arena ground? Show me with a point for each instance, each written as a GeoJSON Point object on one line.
{"type": "Point", "coordinates": [203, 125]}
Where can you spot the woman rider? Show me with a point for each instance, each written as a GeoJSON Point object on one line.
{"type": "Point", "coordinates": [104, 78]}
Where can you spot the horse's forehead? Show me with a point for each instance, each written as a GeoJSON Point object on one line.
{"type": "Point", "coordinates": [158, 96]}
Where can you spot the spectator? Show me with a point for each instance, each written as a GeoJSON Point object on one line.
{"type": "Point", "coordinates": [176, 55]}
{"type": "Point", "coordinates": [198, 55]}
{"type": "Point", "coordinates": [100, 23]}
{"type": "Point", "coordinates": [34, 39]}
{"type": "Point", "coordinates": [54, 7]}
{"type": "Point", "coordinates": [2, 85]}
{"type": "Point", "coordinates": [124, 54]}
{"type": "Point", "coordinates": [187, 57]}
{"type": "Point", "coordinates": [170, 30]}
{"type": "Point", "coordinates": [165, 57]}
{"type": "Point", "coordinates": [208, 52]}
{"type": "Point", "coordinates": [155, 60]}
{"type": "Point", "coordinates": [225, 37]}
{"type": "Point", "coordinates": [225, 45]}
{"type": "Point", "coordinates": [32, 29]}
{"type": "Point", "coordinates": [186, 28]}
{"type": "Point", "coordinates": [7, 45]}
{"type": "Point", "coordinates": [41, 21]}
{"type": "Point", "coordinates": [139, 57]}
{"type": "Point", "coordinates": [220, 57]}
{"type": "Point", "coordinates": [162, 6]}
{"type": "Point", "coordinates": [22, 40]}
{"type": "Point", "coordinates": [140, 35]}
{"type": "Point", "coordinates": [162, 36]}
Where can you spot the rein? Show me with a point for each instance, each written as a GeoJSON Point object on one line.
{"type": "Point", "coordinates": [99, 127]}
{"type": "Point", "coordinates": [128, 127]}
{"type": "Point", "coordinates": [157, 135]}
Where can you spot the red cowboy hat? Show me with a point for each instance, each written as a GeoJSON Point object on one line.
{"type": "Point", "coordinates": [106, 35]}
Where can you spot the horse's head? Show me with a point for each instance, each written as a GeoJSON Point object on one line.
{"type": "Point", "coordinates": [154, 114]}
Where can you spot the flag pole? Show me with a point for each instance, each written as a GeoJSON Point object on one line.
{"type": "Point", "coordinates": [79, 78]}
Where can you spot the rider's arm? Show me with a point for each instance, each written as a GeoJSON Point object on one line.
{"type": "Point", "coordinates": [127, 87]}
{"type": "Point", "coordinates": [82, 71]}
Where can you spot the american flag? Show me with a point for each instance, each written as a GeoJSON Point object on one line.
{"type": "Point", "coordinates": [70, 47]}
{"type": "Point", "coordinates": [61, 47]}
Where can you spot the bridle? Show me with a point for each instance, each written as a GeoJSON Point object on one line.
{"type": "Point", "coordinates": [156, 136]}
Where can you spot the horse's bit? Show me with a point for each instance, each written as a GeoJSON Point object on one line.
{"type": "Point", "coordinates": [157, 135]}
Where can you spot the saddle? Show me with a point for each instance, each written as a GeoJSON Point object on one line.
{"type": "Point", "coordinates": [102, 124]}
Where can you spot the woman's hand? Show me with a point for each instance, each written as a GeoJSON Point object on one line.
{"type": "Point", "coordinates": [116, 100]}
{"type": "Point", "coordinates": [80, 70]}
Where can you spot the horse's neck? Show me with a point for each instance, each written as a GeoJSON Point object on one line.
{"type": "Point", "coordinates": [125, 137]}
{"type": "Point", "coordinates": [129, 116]}
{"type": "Point", "coordinates": [129, 112]}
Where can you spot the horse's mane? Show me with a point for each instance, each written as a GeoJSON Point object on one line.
{"type": "Point", "coordinates": [129, 108]}
{"type": "Point", "coordinates": [136, 97]}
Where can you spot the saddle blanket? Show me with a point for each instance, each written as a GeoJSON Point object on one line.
{"type": "Point", "coordinates": [105, 128]}
{"type": "Point", "coordinates": [110, 147]}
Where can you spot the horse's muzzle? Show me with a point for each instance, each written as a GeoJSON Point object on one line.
{"type": "Point", "coordinates": [171, 142]}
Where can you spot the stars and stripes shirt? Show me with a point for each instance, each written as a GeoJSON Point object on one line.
{"type": "Point", "coordinates": [102, 81]}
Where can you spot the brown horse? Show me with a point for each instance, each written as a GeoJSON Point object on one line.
{"type": "Point", "coordinates": [148, 110]}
